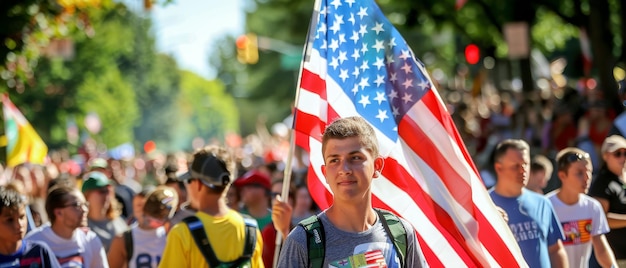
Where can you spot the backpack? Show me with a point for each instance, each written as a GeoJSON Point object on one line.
{"type": "Point", "coordinates": [202, 241]}
{"type": "Point", "coordinates": [128, 244]}
{"type": "Point", "coordinates": [316, 243]}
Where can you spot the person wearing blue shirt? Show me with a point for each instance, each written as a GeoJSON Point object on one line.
{"type": "Point", "coordinates": [531, 217]}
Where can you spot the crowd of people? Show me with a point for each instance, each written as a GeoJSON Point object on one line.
{"type": "Point", "coordinates": [559, 184]}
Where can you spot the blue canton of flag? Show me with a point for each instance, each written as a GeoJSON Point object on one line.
{"type": "Point", "coordinates": [370, 61]}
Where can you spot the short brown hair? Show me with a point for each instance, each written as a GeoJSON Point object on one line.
{"type": "Point", "coordinates": [507, 144]}
{"type": "Point", "coordinates": [349, 127]}
{"type": "Point", "coordinates": [57, 197]}
{"type": "Point", "coordinates": [569, 155]}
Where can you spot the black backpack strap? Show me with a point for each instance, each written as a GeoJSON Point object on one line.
{"type": "Point", "coordinates": [128, 244]}
{"type": "Point", "coordinates": [396, 232]}
{"type": "Point", "coordinates": [250, 243]}
{"type": "Point", "coordinates": [202, 241]}
{"type": "Point", "coordinates": [316, 243]}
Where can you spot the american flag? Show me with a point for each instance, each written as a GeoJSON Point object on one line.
{"type": "Point", "coordinates": [356, 63]}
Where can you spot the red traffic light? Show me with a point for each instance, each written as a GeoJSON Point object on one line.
{"type": "Point", "coordinates": [242, 42]}
{"type": "Point", "coordinates": [472, 54]}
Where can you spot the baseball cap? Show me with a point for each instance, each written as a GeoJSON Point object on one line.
{"type": "Point", "coordinates": [161, 203]}
{"type": "Point", "coordinates": [94, 180]}
{"type": "Point", "coordinates": [210, 170]}
{"type": "Point", "coordinates": [613, 143]}
{"type": "Point", "coordinates": [98, 163]}
{"type": "Point", "coordinates": [254, 178]}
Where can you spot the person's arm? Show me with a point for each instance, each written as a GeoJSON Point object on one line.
{"type": "Point", "coordinates": [294, 252]}
{"type": "Point", "coordinates": [117, 253]}
{"type": "Point", "coordinates": [603, 252]}
{"type": "Point", "coordinates": [613, 221]}
{"type": "Point", "coordinates": [558, 256]}
{"type": "Point", "coordinates": [414, 256]}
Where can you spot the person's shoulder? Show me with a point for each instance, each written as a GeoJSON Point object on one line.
{"type": "Point", "coordinates": [589, 201]}
{"type": "Point", "coordinates": [30, 245]}
{"type": "Point", "coordinates": [37, 232]}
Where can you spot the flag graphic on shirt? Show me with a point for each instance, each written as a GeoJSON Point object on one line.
{"type": "Point", "coordinates": [357, 63]}
{"type": "Point", "coordinates": [23, 143]}
{"type": "Point", "coordinates": [373, 258]}
{"type": "Point", "coordinates": [577, 232]}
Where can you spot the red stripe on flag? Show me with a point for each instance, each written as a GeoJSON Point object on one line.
{"type": "Point", "coordinates": [437, 215]}
{"type": "Point", "coordinates": [493, 242]}
{"type": "Point", "coordinates": [439, 111]}
{"type": "Point", "coordinates": [314, 83]}
{"type": "Point", "coordinates": [309, 124]}
{"type": "Point", "coordinates": [421, 145]}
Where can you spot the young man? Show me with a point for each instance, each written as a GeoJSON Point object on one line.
{"type": "Point", "coordinates": [255, 188]}
{"type": "Point", "coordinates": [352, 228]}
{"type": "Point", "coordinates": [531, 217]}
{"type": "Point", "coordinates": [143, 244]}
{"type": "Point", "coordinates": [72, 243]}
{"type": "Point", "coordinates": [215, 228]}
{"type": "Point", "coordinates": [14, 251]}
{"type": "Point", "coordinates": [581, 216]}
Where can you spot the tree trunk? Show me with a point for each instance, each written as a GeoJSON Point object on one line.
{"type": "Point", "coordinates": [601, 40]}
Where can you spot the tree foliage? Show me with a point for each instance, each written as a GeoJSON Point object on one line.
{"type": "Point", "coordinates": [438, 34]}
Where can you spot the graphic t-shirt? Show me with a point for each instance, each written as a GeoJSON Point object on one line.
{"type": "Point", "coordinates": [30, 254]}
{"type": "Point", "coordinates": [148, 247]}
{"type": "Point", "coordinates": [84, 249]}
{"type": "Point", "coordinates": [533, 223]}
{"type": "Point", "coordinates": [370, 248]}
{"type": "Point", "coordinates": [580, 222]}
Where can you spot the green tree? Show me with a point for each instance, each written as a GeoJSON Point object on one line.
{"type": "Point", "coordinates": [206, 110]}
{"type": "Point", "coordinates": [438, 34]}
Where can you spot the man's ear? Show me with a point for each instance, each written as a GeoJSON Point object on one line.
{"type": "Point", "coordinates": [562, 175]}
{"type": "Point", "coordinates": [379, 163]}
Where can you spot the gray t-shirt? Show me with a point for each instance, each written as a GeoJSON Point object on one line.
{"type": "Point", "coordinates": [340, 246]}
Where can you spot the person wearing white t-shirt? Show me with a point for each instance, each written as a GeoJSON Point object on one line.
{"type": "Point", "coordinates": [73, 243]}
{"type": "Point", "coordinates": [142, 245]}
{"type": "Point", "coordinates": [582, 217]}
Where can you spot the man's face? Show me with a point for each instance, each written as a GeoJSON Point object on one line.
{"type": "Point", "coordinates": [349, 168]}
{"type": "Point", "coordinates": [615, 161]}
{"type": "Point", "coordinates": [73, 214]}
{"type": "Point", "coordinates": [513, 168]}
{"type": "Point", "coordinates": [12, 224]}
{"type": "Point", "coordinates": [577, 178]}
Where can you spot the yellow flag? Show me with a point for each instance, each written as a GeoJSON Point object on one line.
{"type": "Point", "coordinates": [23, 144]}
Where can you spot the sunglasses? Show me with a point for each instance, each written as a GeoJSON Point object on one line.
{"type": "Point", "coordinates": [569, 158]}
{"type": "Point", "coordinates": [619, 154]}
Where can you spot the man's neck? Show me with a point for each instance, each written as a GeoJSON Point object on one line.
{"type": "Point", "coordinates": [8, 248]}
{"type": "Point", "coordinates": [352, 218]}
{"type": "Point", "coordinates": [62, 231]}
{"type": "Point", "coordinates": [508, 191]}
{"type": "Point", "coordinates": [214, 206]}
{"type": "Point", "coordinates": [568, 198]}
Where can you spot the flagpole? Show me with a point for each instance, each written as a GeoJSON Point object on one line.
{"type": "Point", "coordinates": [292, 139]}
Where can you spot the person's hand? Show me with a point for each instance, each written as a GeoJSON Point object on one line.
{"type": "Point", "coordinates": [503, 213]}
{"type": "Point", "coordinates": [281, 216]}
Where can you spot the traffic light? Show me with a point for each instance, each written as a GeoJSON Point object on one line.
{"type": "Point", "coordinates": [472, 54]}
{"type": "Point", "coordinates": [247, 49]}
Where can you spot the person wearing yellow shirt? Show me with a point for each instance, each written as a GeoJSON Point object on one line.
{"type": "Point", "coordinates": [215, 227]}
